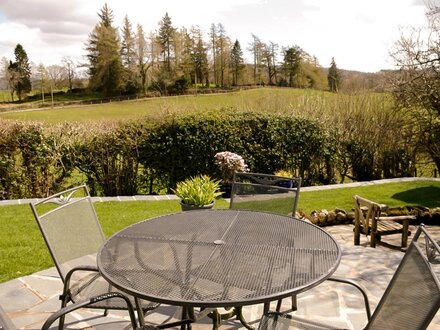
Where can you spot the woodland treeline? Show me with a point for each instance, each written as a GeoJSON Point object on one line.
{"type": "Point", "coordinates": [129, 60]}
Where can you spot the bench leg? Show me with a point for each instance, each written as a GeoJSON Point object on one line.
{"type": "Point", "coordinates": [405, 229]}
{"type": "Point", "coordinates": [357, 235]}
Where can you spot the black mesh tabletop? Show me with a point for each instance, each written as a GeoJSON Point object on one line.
{"type": "Point", "coordinates": [218, 258]}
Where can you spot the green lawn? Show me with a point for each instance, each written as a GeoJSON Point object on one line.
{"type": "Point", "coordinates": [306, 102]}
{"type": "Point", "coordinates": [22, 250]}
{"type": "Point", "coordinates": [424, 193]}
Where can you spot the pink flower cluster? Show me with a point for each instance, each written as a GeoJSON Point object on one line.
{"type": "Point", "coordinates": [229, 163]}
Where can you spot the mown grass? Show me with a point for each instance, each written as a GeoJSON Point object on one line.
{"type": "Point", "coordinates": [23, 251]}
{"type": "Point", "coordinates": [308, 103]}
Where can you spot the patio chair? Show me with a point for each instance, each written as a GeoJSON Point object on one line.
{"type": "Point", "coordinates": [6, 323]}
{"type": "Point", "coordinates": [71, 230]}
{"type": "Point", "coordinates": [410, 301]}
{"type": "Point", "coordinates": [265, 192]}
{"type": "Point", "coordinates": [370, 219]}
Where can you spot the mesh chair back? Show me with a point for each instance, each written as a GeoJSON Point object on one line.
{"type": "Point", "coordinates": [70, 227]}
{"type": "Point", "coordinates": [412, 298]}
{"type": "Point", "coordinates": [265, 192]}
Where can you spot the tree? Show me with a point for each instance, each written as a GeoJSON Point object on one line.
{"type": "Point", "coordinates": [416, 86]}
{"type": "Point", "coordinates": [268, 55]}
{"type": "Point", "coordinates": [236, 62]}
{"type": "Point", "coordinates": [69, 67]}
{"type": "Point", "coordinates": [222, 51]}
{"type": "Point", "coordinates": [20, 73]}
{"type": "Point", "coordinates": [291, 65]}
{"type": "Point", "coordinates": [42, 79]}
{"type": "Point", "coordinates": [128, 56]}
{"type": "Point", "coordinates": [4, 71]}
{"type": "Point", "coordinates": [256, 48]}
{"type": "Point", "coordinates": [142, 57]}
{"type": "Point", "coordinates": [105, 66]}
{"type": "Point", "coordinates": [213, 42]}
{"type": "Point", "coordinates": [334, 77]}
{"type": "Point", "coordinates": [200, 58]}
{"type": "Point", "coordinates": [166, 38]}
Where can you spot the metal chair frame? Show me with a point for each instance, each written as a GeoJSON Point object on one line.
{"type": "Point", "coordinates": [6, 323]}
{"type": "Point", "coordinates": [63, 201]}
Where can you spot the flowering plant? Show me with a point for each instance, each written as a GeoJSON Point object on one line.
{"type": "Point", "coordinates": [229, 163]}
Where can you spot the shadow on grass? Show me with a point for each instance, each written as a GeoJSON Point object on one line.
{"type": "Point", "coordinates": [424, 196]}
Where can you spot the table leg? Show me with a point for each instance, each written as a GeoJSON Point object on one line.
{"type": "Point", "coordinates": [187, 312]}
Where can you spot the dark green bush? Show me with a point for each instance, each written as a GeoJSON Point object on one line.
{"type": "Point", "coordinates": [151, 157]}
{"type": "Point", "coordinates": [34, 160]}
{"type": "Point", "coordinates": [185, 146]}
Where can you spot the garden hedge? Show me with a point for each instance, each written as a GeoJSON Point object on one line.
{"type": "Point", "coordinates": [145, 156]}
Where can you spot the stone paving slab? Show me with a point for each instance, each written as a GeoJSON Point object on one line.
{"type": "Point", "coordinates": [29, 300]}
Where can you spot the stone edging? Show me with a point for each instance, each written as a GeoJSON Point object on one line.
{"type": "Point", "coordinates": [174, 197]}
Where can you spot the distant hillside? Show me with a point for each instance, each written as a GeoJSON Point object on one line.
{"type": "Point", "coordinates": [353, 81]}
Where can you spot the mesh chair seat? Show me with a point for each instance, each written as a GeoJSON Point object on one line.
{"type": "Point", "coordinates": [93, 284]}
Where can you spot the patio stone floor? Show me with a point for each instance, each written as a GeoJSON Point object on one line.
{"type": "Point", "coordinates": [29, 300]}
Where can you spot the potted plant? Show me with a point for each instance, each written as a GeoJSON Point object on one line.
{"type": "Point", "coordinates": [198, 192]}
{"type": "Point", "coordinates": [285, 174]}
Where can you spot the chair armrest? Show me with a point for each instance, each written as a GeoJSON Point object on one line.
{"type": "Point", "coordinates": [397, 218]}
{"type": "Point", "coordinates": [360, 289]}
{"type": "Point", "coordinates": [87, 268]}
{"type": "Point", "coordinates": [90, 301]}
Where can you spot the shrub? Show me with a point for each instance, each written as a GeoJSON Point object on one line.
{"type": "Point", "coordinates": [199, 190]}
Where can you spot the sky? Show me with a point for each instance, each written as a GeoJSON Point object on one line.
{"type": "Point", "coordinates": [359, 34]}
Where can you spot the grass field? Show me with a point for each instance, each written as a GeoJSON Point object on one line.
{"type": "Point", "coordinates": [307, 102]}
{"type": "Point", "coordinates": [22, 250]}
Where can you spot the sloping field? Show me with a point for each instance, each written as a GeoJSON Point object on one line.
{"type": "Point", "coordinates": [307, 102]}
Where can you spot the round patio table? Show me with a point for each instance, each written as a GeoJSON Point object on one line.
{"type": "Point", "coordinates": [218, 258]}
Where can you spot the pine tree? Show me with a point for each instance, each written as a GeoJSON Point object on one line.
{"type": "Point", "coordinates": [105, 68]}
{"type": "Point", "coordinates": [166, 38]}
{"type": "Point", "coordinates": [131, 79]}
{"type": "Point", "coordinates": [236, 62]}
{"type": "Point", "coordinates": [334, 77]}
{"type": "Point", "coordinates": [292, 64]}
{"type": "Point", "coordinates": [20, 73]}
{"type": "Point", "coordinates": [200, 58]}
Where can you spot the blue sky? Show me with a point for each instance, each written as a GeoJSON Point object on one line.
{"type": "Point", "coordinates": [358, 34]}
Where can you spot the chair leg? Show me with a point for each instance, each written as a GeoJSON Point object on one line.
{"type": "Point", "coordinates": [139, 311]}
{"type": "Point", "coordinates": [64, 300]}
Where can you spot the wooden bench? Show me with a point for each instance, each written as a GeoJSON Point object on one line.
{"type": "Point", "coordinates": [370, 220]}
